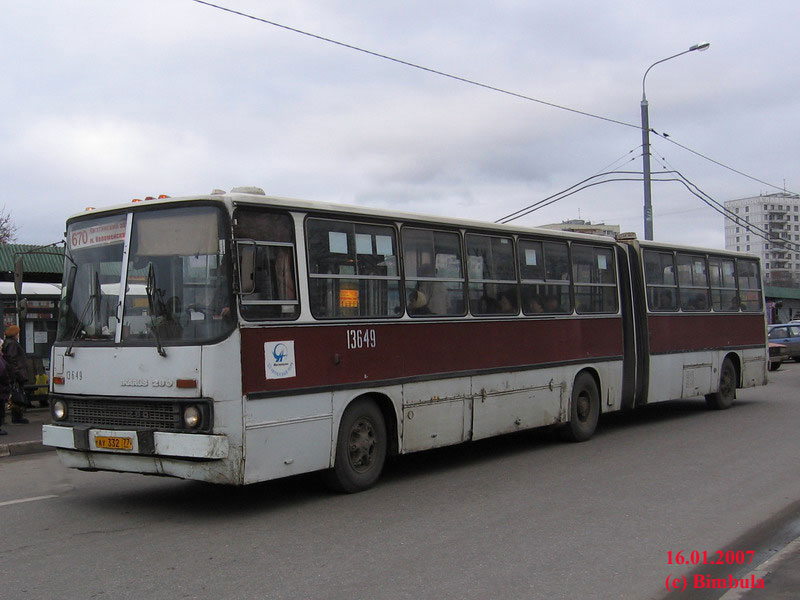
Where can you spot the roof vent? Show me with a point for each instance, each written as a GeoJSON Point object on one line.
{"type": "Point", "coordinates": [248, 189]}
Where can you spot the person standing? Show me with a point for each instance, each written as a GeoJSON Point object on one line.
{"type": "Point", "coordinates": [5, 391]}
{"type": "Point", "coordinates": [15, 361]}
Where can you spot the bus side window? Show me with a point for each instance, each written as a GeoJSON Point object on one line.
{"type": "Point", "coordinates": [265, 243]}
{"type": "Point", "coordinates": [659, 273]}
{"type": "Point", "coordinates": [749, 285]}
{"type": "Point", "coordinates": [595, 279]}
{"type": "Point", "coordinates": [544, 272]}
{"type": "Point", "coordinates": [434, 276]}
{"type": "Point", "coordinates": [693, 283]}
{"type": "Point", "coordinates": [723, 284]}
{"type": "Point", "coordinates": [492, 278]}
{"type": "Point", "coordinates": [353, 269]}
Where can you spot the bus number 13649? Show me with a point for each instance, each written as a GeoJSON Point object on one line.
{"type": "Point", "coordinates": [361, 338]}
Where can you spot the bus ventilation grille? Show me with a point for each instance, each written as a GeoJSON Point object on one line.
{"type": "Point", "coordinates": [130, 413]}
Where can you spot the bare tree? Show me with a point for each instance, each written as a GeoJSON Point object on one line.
{"type": "Point", "coordinates": [8, 229]}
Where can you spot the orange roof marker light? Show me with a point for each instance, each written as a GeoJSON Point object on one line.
{"type": "Point", "coordinates": [136, 200]}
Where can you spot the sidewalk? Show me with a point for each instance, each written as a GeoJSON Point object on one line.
{"type": "Point", "coordinates": [24, 438]}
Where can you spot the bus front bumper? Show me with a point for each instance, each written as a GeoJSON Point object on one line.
{"type": "Point", "coordinates": [148, 443]}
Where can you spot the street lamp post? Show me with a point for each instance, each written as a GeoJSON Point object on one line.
{"type": "Point", "coordinates": [648, 207]}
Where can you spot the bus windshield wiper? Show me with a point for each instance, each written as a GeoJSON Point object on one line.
{"type": "Point", "coordinates": [79, 324]}
{"type": "Point", "coordinates": [154, 300]}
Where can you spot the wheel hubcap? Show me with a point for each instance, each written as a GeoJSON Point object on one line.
{"type": "Point", "coordinates": [361, 445]}
{"type": "Point", "coordinates": [584, 407]}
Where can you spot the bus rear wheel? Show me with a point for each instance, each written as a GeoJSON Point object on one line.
{"type": "Point", "coordinates": [584, 410]}
{"type": "Point", "coordinates": [360, 448]}
{"type": "Point", "coordinates": [723, 398]}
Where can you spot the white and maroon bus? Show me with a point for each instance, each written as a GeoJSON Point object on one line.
{"type": "Point", "coordinates": [236, 338]}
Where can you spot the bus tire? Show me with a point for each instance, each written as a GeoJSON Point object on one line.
{"type": "Point", "coordinates": [584, 410]}
{"type": "Point", "coordinates": [360, 448]}
{"type": "Point", "coordinates": [723, 398]}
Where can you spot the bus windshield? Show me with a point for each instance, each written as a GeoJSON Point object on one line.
{"type": "Point", "coordinates": [177, 286]}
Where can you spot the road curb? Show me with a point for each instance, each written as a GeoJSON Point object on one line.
{"type": "Point", "coordinates": [770, 565]}
{"type": "Point", "coordinates": [20, 448]}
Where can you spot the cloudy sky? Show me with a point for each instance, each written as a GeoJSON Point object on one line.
{"type": "Point", "coordinates": [108, 100]}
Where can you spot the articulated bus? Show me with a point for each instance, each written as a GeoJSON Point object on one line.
{"type": "Point", "coordinates": [236, 338]}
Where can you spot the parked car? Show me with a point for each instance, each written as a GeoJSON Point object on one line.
{"type": "Point", "coordinates": [777, 354]}
{"type": "Point", "coordinates": [788, 335]}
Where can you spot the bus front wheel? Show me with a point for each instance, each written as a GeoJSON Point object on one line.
{"type": "Point", "coordinates": [723, 398]}
{"type": "Point", "coordinates": [584, 410]}
{"type": "Point", "coordinates": [360, 448]}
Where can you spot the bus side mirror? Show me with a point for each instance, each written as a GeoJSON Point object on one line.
{"type": "Point", "coordinates": [19, 272]}
{"type": "Point", "coordinates": [247, 269]}
{"type": "Point", "coordinates": [69, 289]}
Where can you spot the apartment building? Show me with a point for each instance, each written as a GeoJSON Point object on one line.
{"type": "Point", "coordinates": [774, 234]}
{"type": "Point", "coordinates": [582, 226]}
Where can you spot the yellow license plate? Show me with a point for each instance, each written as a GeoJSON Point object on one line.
{"type": "Point", "coordinates": [113, 442]}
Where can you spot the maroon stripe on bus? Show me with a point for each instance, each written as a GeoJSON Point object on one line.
{"type": "Point", "coordinates": [328, 355]}
{"type": "Point", "coordinates": [689, 333]}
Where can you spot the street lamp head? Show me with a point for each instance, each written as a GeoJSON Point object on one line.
{"type": "Point", "coordinates": [700, 47]}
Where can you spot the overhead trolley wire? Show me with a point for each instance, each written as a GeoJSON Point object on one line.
{"type": "Point", "coordinates": [620, 159]}
{"type": "Point", "coordinates": [718, 163]}
{"type": "Point", "coordinates": [657, 177]}
{"type": "Point", "coordinates": [786, 244]}
{"type": "Point", "coordinates": [484, 86]}
{"type": "Point", "coordinates": [727, 213]}
{"type": "Point", "coordinates": [417, 66]}
{"type": "Point", "coordinates": [581, 185]}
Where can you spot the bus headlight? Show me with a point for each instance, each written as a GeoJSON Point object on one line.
{"type": "Point", "coordinates": [59, 410]}
{"type": "Point", "coordinates": [192, 417]}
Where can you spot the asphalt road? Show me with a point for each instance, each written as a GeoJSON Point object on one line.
{"type": "Point", "coordinates": [523, 516]}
